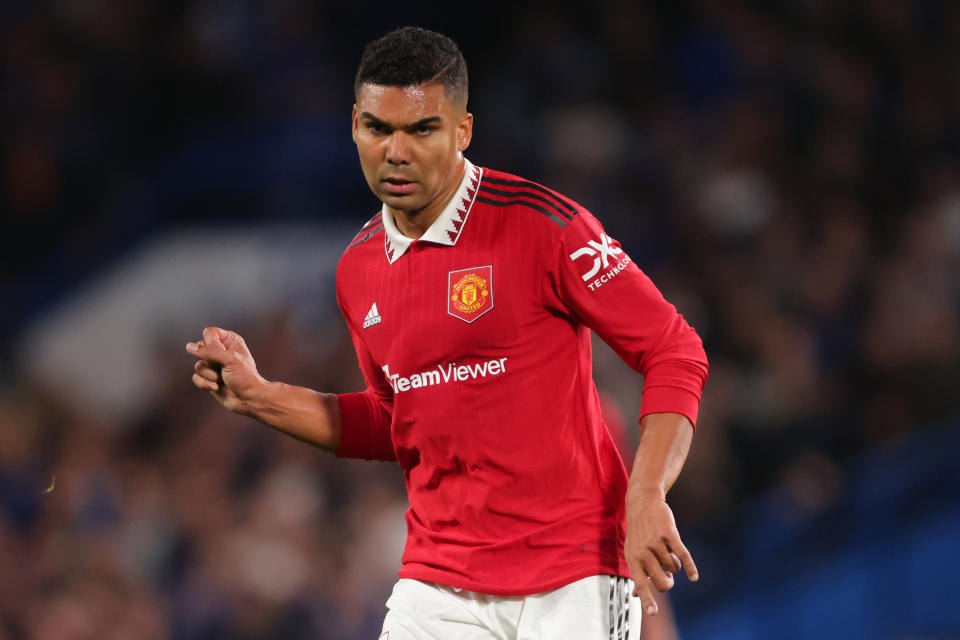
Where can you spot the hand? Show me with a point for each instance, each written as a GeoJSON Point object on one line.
{"type": "Point", "coordinates": [653, 549]}
{"type": "Point", "coordinates": [226, 369]}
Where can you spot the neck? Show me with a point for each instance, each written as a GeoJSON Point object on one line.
{"type": "Point", "coordinates": [414, 224]}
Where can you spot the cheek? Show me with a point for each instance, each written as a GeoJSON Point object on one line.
{"type": "Point", "coordinates": [367, 152]}
{"type": "Point", "coordinates": [443, 152]}
{"type": "Point", "coordinates": [368, 165]}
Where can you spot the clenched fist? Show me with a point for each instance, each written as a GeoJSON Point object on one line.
{"type": "Point", "coordinates": [226, 369]}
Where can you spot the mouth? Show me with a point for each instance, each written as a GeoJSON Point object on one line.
{"type": "Point", "coordinates": [397, 185]}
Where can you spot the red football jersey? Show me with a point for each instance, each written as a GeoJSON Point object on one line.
{"type": "Point", "coordinates": [474, 341]}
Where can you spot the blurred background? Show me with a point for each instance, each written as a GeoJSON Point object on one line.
{"type": "Point", "coordinates": [787, 172]}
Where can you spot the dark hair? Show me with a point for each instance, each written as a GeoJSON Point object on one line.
{"type": "Point", "coordinates": [410, 56]}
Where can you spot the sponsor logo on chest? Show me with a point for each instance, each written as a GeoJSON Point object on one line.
{"type": "Point", "coordinates": [445, 373]}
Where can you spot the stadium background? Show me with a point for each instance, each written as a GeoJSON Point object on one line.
{"type": "Point", "coordinates": [786, 172]}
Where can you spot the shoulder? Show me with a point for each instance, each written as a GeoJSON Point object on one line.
{"type": "Point", "coordinates": [370, 228]}
{"type": "Point", "coordinates": [370, 231]}
{"type": "Point", "coordinates": [551, 215]}
{"type": "Point", "coordinates": [364, 244]}
{"type": "Point", "coordinates": [549, 210]}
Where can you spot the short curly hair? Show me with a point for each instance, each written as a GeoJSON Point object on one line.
{"type": "Point", "coordinates": [412, 56]}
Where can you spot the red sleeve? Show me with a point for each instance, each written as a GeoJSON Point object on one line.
{"type": "Point", "coordinates": [365, 417]}
{"type": "Point", "coordinates": [595, 280]}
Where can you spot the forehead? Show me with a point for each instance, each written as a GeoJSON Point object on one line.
{"type": "Point", "coordinates": [399, 105]}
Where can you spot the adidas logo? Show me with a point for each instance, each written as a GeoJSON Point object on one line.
{"type": "Point", "coordinates": [373, 317]}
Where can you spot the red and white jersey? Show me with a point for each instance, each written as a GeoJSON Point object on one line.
{"type": "Point", "coordinates": [474, 341]}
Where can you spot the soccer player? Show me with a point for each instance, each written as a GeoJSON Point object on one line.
{"type": "Point", "coordinates": [470, 298]}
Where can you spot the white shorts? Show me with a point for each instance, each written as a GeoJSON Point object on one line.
{"type": "Point", "coordinates": [597, 607]}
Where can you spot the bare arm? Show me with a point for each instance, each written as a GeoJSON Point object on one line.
{"type": "Point", "coordinates": [653, 549]}
{"type": "Point", "coordinates": [226, 369]}
{"type": "Point", "coordinates": [305, 414]}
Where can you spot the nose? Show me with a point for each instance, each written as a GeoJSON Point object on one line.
{"type": "Point", "coordinates": [398, 149]}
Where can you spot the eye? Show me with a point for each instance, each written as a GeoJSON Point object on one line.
{"type": "Point", "coordinates": [374, 127]}
{"type": "Point", "coordinates": [424, 130]}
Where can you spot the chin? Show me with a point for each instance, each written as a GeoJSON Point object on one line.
{"type": "Point", "coordinates": [400, 203]}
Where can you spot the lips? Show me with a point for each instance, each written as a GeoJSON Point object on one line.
{"type": "Point", "coordinates": [398, 185]}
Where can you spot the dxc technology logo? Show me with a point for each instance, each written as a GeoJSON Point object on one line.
{"type": "Point", "coordinates": [603, 253]}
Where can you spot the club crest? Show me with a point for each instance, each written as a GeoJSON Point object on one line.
{"type": "Point", "coordinates": [470, 292]}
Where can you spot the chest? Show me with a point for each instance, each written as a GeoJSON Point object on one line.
{"type": "Point", "coordinates": [443, 304]}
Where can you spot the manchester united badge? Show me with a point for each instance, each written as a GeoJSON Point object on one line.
{"type": "Point", "coordinates": [470, 292]}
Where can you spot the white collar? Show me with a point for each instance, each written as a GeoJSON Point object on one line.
{"type": "Point", "coordinates": [446, 228]}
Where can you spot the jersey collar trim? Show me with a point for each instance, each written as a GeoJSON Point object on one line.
{"type": "Point", "coordinates": [446, 229]}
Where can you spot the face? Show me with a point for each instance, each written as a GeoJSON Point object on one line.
{"type": "Point", "coordinates": [410, 141]}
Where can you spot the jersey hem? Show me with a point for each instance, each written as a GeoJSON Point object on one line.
{"type": "Point", "coordinates": [454, 580]}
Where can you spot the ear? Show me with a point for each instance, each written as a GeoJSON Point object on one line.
{"type": "Point", "coordinates": [464, 131]}
{"type": "Point", "coordinates": [355, 125]}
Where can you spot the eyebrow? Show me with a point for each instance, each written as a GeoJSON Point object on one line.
{"type": "Point", "coordinates": [366, 115]}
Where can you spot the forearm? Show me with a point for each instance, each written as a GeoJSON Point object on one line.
{"type": "Point", "coordinates": [664, 443]}
{"type": "Point", "coordinates": [305, 414]}
{"type": "Point", "coordinates": [653, 547]}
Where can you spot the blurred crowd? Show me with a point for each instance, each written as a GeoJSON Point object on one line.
{"type": "Point", "coordinates": [787, 173]}
{"type": "Point", "coordinates": [193, 522]}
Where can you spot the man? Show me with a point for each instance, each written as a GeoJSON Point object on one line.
{"type": "Point", "coordinates": [470, 299]}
